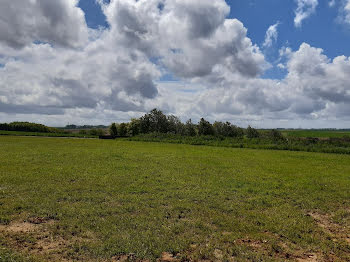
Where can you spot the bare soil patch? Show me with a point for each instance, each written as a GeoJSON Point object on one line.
{"type": "Point", "coordinates": [167, 257]}
{"type": "Point", "coordinates": [19, 227]}
{"type": "Point", "coordinates": [336, 231]}
{"type": "Point", "coordinates": [309, 258]}
{"type": "Point", "coordinates": [33, 237]}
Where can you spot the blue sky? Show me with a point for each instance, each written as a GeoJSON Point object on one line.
{"type": "Point", "coordinates": [322, 29]}
{"type": "Point", "coordinates": [93, 14]}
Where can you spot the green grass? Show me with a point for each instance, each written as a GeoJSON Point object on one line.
{"type": "Point", "coordinates": [10, 256]}
{"type": "Point", "coordinates": [316, 133]}
{"type": "Point", "coordinates": [331, 145]}
{"type": "Point", "coordinates": [21, 133]}
{"type": "Point", "coordinates": [108, 198]}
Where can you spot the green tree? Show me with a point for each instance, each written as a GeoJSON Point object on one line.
{"type": "Point", "coordinates": [276, 135]}
{"type": "Point", "coordinates": [122, 129]}
{"type": "Point", "coordinates": [134, 127]}
{"type": "Point", "coordinates": [252, 132]}
{"type": "Point", "coordinates": [221, 129]}
{"type": "Point", "coordinates": [154, 121]}
{"type": "Point", "coordinates": [190, 128]}
{"type": "Point", "coordinates": [205, 128]}
{"type": "Point", "coordinates": [174, 125]}
{"type": "Point", "coordinates": [113, 130]}
{"type": "Point", "coordinates": [236, 131]}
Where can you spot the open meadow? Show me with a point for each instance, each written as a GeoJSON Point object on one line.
{"type": "Point", "coordinates": [317, 133]}
{"type": "Point", "coordinates": [117, 200]}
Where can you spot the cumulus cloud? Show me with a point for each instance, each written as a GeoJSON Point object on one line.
{"type": "Point", "coordinates": [116, 68]}
{"type": "Point", "coordinates": [116, 72]}
{"type": "Point", "coordinates": [304, 9]}
{"type": "Point", "coordinates": [191, 38]}
{"type": "Point", "coordinates": [318, 77]}
{"type": "Point", "coordinates": [271, 35]}
{"type": "Point", "coordinates": [40, 75]}
{"type": "Point", "coordinates": [314, 87]}
{"type": "Point", "coordinates": [58, 22]}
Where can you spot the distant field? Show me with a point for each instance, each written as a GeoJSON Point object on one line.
{"type": "Point", "coordinates": [101, 200]}
{"type": "Point", "coordinates": [21, 133]}
{"type": "Point", "coordinates": [316, 133]}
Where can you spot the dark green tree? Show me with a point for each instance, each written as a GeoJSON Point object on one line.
{"type": "Point", "coordinates": [252, 132]}
{"type": "Point", "coordinates": [123, 129]}
{"type": "Point", "coordinates": [175, 126]}
{"type": "Point", "coordinates": [134, 127]}
{"type": "Point", "coordinates": [205, 128]}
{"type": "Point", "coordinates": [113, 130]}
{"type": "Point", "coordinates": [190, 128]}
{"type": "Point", "coordinates": [154, 121]}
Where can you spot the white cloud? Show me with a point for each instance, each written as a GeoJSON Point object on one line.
{"type": "Point", "coordinates": [114, 69]}
{"type": "Point", "coordinates": [314, 86]}
{"type": "Point", "coordinates": [190, 37]}
{"type": "Point", "coordinates": [58, 22]}
{"type": "Point", "coordinates": [304, 9]}
{"type": "Point", "coordinates": [271, 35]}
{"type": "Point", "coordinates": [347, 12]}
{"type": "Point", "coordinates": [115, 74]}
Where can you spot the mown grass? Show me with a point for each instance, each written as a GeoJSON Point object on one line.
{"type": "Point", "coordinates": [108, 198]}
{"type": "Point", "coordinates": [317, 133]}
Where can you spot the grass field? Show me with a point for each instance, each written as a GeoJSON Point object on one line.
{"type": "Point", "coordinates": [329, 145]}
{"type": "Point", "coordinates": [101, 200]}
{"type": "Point", "coordinates": [21, 133]}
{"type": "Point", "coordinates": [317, 133]}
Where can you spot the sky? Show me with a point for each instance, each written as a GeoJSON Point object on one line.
{"type": "Point", "coordinates": [264, 63]}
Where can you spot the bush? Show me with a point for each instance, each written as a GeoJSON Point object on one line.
{"type": "Point", "coordinates": [276, 135]}
{"type": "Point", "coordinates": [227, 130]}
{"type": "Point", "coordinates": [82, 132]}
{"type": "Point", "coordinates": [97, 132]}
{"type": "Point", "coordinates": [252, 132]}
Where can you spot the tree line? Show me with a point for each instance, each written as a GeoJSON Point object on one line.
{"type": "Point", "coordinates": [157, 122]}
{"type": "Point", "coordinates": [28, 127]}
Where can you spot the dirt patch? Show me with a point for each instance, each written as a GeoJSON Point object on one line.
{"type": "Point", "coordinates": [19, 227]}
{"type": "Point", "coordinates": [40, 220]}
{"type": "Point", "coordinates": [33, 237]}
{"type": "Point", "coordinates": [309, 258]}
{"type": "Point", "coordinates": [126, 258]}
{"type": "Point", "coordinates": [167, 257]}
{"type": "Point", "coordinates": [278, 246]}
{"type": "Point", "coordinates": [256, 244]}
{"type": "Point", "coordinates": [218, 254]}
{"type": "Point", "coordinates": [336, 231]}
{"type": "Point", "coordinates": [122, 258]}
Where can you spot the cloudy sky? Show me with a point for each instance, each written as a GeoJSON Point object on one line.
{"type": "Point", "coordinates": [267, 63]}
